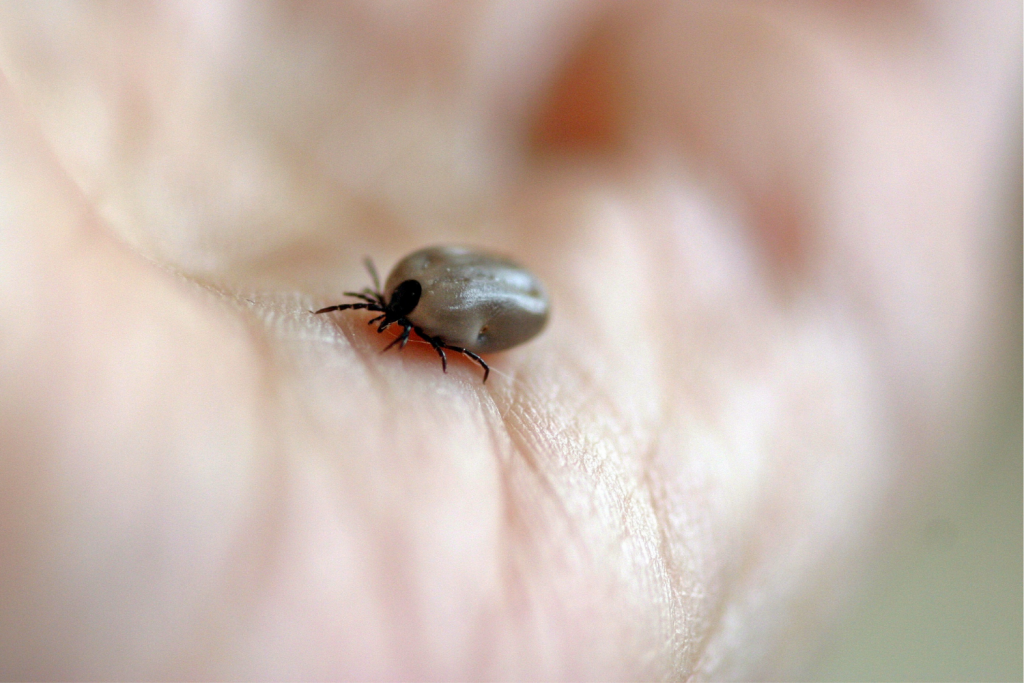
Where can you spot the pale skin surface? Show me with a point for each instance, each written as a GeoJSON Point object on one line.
{"type": "Point", "coordinates": [771, 260]}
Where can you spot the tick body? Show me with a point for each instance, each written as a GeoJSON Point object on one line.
{"type": "Point", "coordinates": [455, 298]}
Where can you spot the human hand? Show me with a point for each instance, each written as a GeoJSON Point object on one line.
{"type": "Point", "coordinates": [767, 249]}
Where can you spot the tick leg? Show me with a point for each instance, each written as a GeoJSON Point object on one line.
{"type": "Point", "coordinates": [377, 296]}
{"type": "Point", "coordinates": [364, 297]}
{"type": "Point", "coordinates": [373, 320]}
{"type": "Point", "coordinates": [345, 307]}
{"type": "Point", "coordinates": [437, 344]}
{"type": "Point", "coordinates": [402, 339]}
{"type": "Point", "coordinates": [478, 359]}
{"type": "Point", "coordinates": [368, 262]}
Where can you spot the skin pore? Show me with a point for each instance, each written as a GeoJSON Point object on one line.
{"type": "Point", "coordinates": [766, 235]}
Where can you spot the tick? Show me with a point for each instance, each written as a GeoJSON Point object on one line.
{"type": "Point", "coordinates": [455, 298]}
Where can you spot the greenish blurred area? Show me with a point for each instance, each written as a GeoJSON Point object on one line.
{"type": "Point", "coordinates": [949, 604]}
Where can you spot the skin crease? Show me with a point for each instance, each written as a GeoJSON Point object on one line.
{"type": "Point", "coordinates": [766, 232]}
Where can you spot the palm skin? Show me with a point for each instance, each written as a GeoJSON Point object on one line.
{"type": "Point", "coordinates": [769, 268]}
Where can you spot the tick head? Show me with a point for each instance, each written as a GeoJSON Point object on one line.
{"type": "Point", "coordinates": [404, 299]}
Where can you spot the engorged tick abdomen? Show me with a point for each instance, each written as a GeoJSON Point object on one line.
{"type": "Point", "coordinates": [473, 299]}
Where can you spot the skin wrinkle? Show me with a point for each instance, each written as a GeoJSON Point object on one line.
{"type": "Point", "coordinates": [517, 431]}
{"type": "Point", "coordinates": [521, 539]}
{"type": "Point", "coordinates": [665, 573]}
{"type": "Point", "coordinates": [678, 646]}
{"type": "Point", "coordinates": [511, 578]}
{"type": "Point", "coordinates": [683, 606]}
{"type": "Point", "coordinates": [670, 573]}
{"type": "Point", "coordinates": [709, 614]}
{"type": "Point", "coordinates": [687, 651]}
{"type": "Point", "coordinates": [528, 442]}
{"type": "Point", "coordinates": [602, 466]}
{"type": "Point", "coordinates": [718, 607]}
{"type": "Point", "coordinates": [731, 579]}
{"type": "Point", "coordinates": [601, 472]}
{"type": "Point", "coordinates": [612, 425]}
